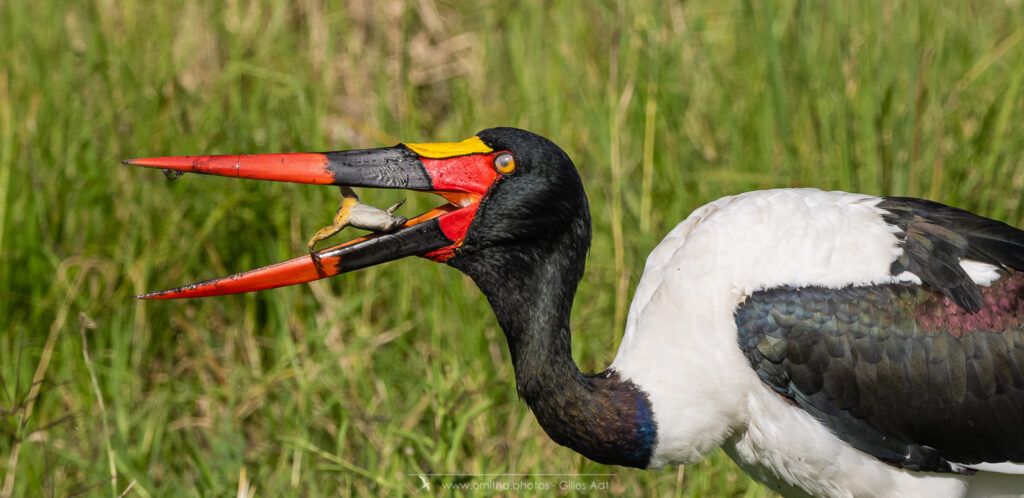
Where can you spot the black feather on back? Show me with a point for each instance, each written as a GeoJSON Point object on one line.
{"type": "Point", "coordinates": [935, 237]}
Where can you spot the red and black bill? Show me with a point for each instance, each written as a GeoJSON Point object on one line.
{"type": "Point", "coordinates": [459, 172]}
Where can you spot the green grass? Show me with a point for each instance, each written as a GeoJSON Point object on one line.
{"type": "Point", "coordinates": [350, 385]}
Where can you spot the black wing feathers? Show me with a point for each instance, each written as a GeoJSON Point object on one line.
{"type": "Point", "coordinates": [898, 371]}
{"type": "Point", "coordinates": [915, 398]}
{"type": "Point", "coordinates": [935, 237]}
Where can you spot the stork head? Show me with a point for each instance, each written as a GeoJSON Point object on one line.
{"type": "Point", "coordinates": [513, 198]}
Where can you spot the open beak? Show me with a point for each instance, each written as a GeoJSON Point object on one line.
{"type": "Point", "coordinates": [459, 172]}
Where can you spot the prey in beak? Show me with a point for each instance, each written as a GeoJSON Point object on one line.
{"type": "Point", "coordinates": [353, 213]}
{"type": "Point", "coordinates": [461, 173]}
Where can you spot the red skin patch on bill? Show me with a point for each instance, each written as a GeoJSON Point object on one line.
{"type": "Point", "coordinates": [454, 225]}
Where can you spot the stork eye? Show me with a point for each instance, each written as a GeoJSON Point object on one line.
{"type": "Point", "coordinates": [505, 164]}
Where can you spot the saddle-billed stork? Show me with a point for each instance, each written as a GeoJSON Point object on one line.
{"type": "Point", "coordinates": [833, 344]}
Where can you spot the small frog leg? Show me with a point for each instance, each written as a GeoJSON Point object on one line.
{"type": "Point", "coordinates": [349, 200]}
{"type": "Point", "coordinates": [342, 218]}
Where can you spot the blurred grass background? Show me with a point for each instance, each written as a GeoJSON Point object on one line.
{"type": "Point", "coordinates": [349, 386]}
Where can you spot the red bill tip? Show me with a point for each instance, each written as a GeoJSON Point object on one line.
{"type": "Point", "coordinates": [294, 271]}
{"type": "Point", "coordinates": [289, 167]}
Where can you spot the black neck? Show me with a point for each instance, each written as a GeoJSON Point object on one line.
{"type": "Point", "coordinates": [599, 415]}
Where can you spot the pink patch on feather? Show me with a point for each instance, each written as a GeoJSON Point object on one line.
{"type": "Point", "coordinates": [1003, 309]}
